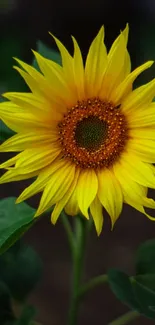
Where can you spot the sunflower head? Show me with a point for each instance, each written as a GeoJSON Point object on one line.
{"type": "Point", "coordinates": [93, 133]}
{"type": "Point", "coordinates": [82, 130]}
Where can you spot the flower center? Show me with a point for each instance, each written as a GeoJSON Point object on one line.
{"type": "Point", "coordinates": [93, 133]}
{"type": "Point", "coordinates": [90, 133]}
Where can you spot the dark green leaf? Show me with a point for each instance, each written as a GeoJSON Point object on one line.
{"type": "Point", "coordinates": [11, 47]}
{"type": "Point", "coordinates": [145, 298]}
{"type": "Point", "coordinates": [6, 313]}
{"type": "Point", "coordinates": [20, 269]}
{"type": "Point", "coordinates": [148, 280]}
{"type": "Point", "coordinates": [121, 286]}
{"type": "Point", "coordinates": [137, 292]}
{"type": "Point", "coordinates": [48, 53]}
{"type": "Point", "coordinates": [26, 317]}
{"type": "Point", "coordinates": [15, 219]}
{"type": "Point", "coordinates": [145, 258]}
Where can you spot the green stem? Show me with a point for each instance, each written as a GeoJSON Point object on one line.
{"type": "Point", "coordinates": [126, 318]}
{"type": "Point", "coordinates": [99, 280]}
{"type": "Point", "coordinates": [69, 232]}
{"type": "Point", "coordinates": [78, 258]}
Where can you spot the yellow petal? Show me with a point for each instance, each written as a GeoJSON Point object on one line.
{"type": "Point", "coordinates": [110, 194]}
{"type": "Point", "coordinates": [143, 149]}
{"type": "Point", "coordinates": [78, 70]}
{"type": "Point", "coordinates": [66, 57]}
{"type": "Point", "coordinates": [125, 33]}
{"type": "Point", "coordinates": [86, 190]}
{"type": "Point", "coordinates": [143, 133]}
{"type": "Point", "coordinates": [144, 117]}
{"type": "Point", "coordinates": [19, 120]}
{"type": "Point", "coordinates": [39, 85]}
{"type": "Point", "coordinates": [55, 76]}
{"type": "Point", "coordinates": [10, 162]}
{"type": "Point", "coordinates": [12, 176]}
{"type": "Point", "coordinates": [127, 62]}
{"type": "Point", "coordinates": [96, 63]}
{"type": "Point", "coordinates": [35, 80]}
{"type": "Point", "coordinates": [139, 171]}
{"type": "Point", "coordinates": [96, 210]}
{"type": "Point", "coordinates": [71, 207]}
{"type": "Point", "coordinates": [19, 142]}
{"type": "Point", "coordinates": [126, 85]}
{"type": "Point", "coordinates": [67, 63]}
{"type": "Point", "coordinates": [29, 101]}
{"type": "Point", "coordinates": [127, 66]}
{"type": "Point", "coordinates": [41, 181]}
{"type": "Point", "coordinates": [132, 191]}
{"type": "Point", "coordinates": [113, 74]}
{"type": "Point", "coordinates": [115, 44]}
{"type": "Point", "coordinates": [57, 187]}
{"type": "Point", "coordinates": [36, 158]}
{"type": "Point", "coordinates": [140, 208]}
{"type": "Point", "coordinates": [140, 97]}
{"type": "Point", "coordinates": [37, 105]}
{"type": "Point", "coordinates": [61, 204]}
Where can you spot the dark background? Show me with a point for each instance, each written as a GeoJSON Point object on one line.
{"type": "Point", "coordinates": [22, 23]}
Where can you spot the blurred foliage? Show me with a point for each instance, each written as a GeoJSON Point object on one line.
{"type": "Point", "coordinates": [145, 258]}
{"type": "Point", "coordinates": [26, 316]}
{"type": "Point", "coordinates": [7, 5]}
{"type": "Point", "coordinates": [6, 313]}
{"type": "Point", "coordinates": [48, 53]}
{"type": "Point", "coordinates": [11, 47]}
{"type": "Point", "coordinates": [121, 286]}
{"type": "Point", "coordinates": [20, 270]}
{"type": "Point", "coordinates": [138, 292]}
{"type": "Point", "coordinates": [15, 219]}
{"type": "Point", "coordinates": [10, 80]}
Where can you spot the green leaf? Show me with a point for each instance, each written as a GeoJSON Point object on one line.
{"type": "Point", "coordinates": [26, 317]}
{"type": "Point", "coordinates": [145, 298]}
{"type": "Point", "coordinates": [20, 270]}
{"type": "Point", "coordinates": [136, 293]}
{"type": "Point", "coordinates": [148, 280]}
{"type": "Point", "coordinates": [15, 220]}
{"type": "Point", "coordinates": [145, 258]}
{"type": "Point", "coordinates": [121, 286]}
{"type": "Point", "coordinates": [11, 46]}
{"type": "Point", "coordinates": [48, 53]}
{"type": "Point", "coordinates": [6, 313]}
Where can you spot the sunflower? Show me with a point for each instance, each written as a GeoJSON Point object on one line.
{"type": "Point", "coordinates": [84, 132]}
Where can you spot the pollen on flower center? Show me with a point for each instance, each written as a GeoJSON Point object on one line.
{"type": "Point", "coordinates": [93, 133]}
